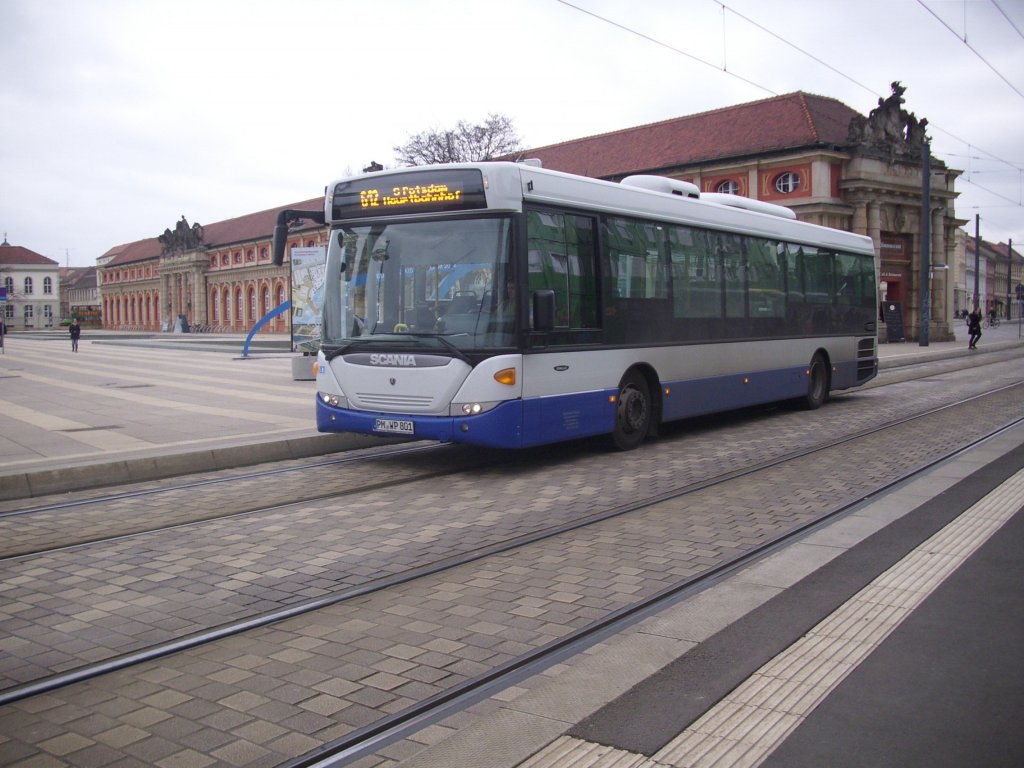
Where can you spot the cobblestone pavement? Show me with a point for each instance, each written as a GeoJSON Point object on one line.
{"type": "Point", "coordinates": [270, 694]}
{"type": "Point", "coordinates": [67, 608]}
{"type": "Point", "coordinates": [161, 504]}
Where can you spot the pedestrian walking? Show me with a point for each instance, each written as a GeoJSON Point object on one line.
{"type": "Point", "coordinates": [973, 329]}
{"type": "Point", "coordinates": [76, 331]}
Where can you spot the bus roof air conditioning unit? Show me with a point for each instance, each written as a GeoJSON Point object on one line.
{"type": "Point", "coordinates": [748, 204]}
{"type": "Point", "coordinates": [663, 184]}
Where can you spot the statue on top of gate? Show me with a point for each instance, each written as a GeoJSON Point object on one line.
{"type": "Point", "coordinates": [182, 238]}
{"type": "Point", "coordinates": [889, 129]}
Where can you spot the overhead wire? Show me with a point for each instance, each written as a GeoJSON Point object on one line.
{"type": "Point", "coordinates": [1008, 19]}
{"type": "Point", "coordinates": [814, 58]}
{"type": "Point", "coordinates": [663, 44]}
{"type": "Point", "coordinates": [974, 50]}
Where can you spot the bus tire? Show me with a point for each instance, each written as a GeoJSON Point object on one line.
{"type": "Point", "coordinates": [633, 411]}
{"type": "Point", "coordinates": [818, 383]}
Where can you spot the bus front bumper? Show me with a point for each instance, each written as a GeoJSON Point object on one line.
{"type": "Point", "coordinates": [501, 427]}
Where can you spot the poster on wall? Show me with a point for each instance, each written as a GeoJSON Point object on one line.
{"type": "Point", "coordinates": [308, 265]}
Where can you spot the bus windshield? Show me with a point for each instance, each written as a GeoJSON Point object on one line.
{"type": "Point", "coordinates": [439, 282]}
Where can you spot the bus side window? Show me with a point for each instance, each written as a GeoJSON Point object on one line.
{"type": "Point", "coordinates": [562, 259]}
{"type": "Point", "coordinates": [766, 284]}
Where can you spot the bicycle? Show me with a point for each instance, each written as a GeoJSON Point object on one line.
{"type": "Point", "coordinates": [991, 322]}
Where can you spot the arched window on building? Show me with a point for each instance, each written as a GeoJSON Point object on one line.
{"type": "Point", "coordinates": [9, 285]}
{"type": "Point", "coordinates": [28, 286]}
{"type": "Point", "coordinates": [787, 182]}
{"type": "Point", "coordinates": [729, 187]}
{"type": "Point", "coordinates": [266, 298]}
{"type": "Point", "coordinates": [239, 307]}
{"type": "Point", "coordinates": [47, 286]}
{"type": "Point", "coordinates": [253, 309]}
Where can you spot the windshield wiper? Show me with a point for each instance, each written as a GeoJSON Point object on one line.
{"type": "Point", "coordinates": [456, 352]}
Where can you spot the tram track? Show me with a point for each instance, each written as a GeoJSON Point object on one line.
{"type": "Point", "coordinates": [391, 726]}
{"type": "Point", "coordinates": [69, 518]}
{"type": "Point", "coordinates": [379, 585]}
{"type": "Point", "coordinates": [377, 589]}
{"type": "Point", "coordinates": [394, 727]}
{"type": "Point", "coordinates": [179, 504]}
{"type": "Point", "coordinates": [221, 479]}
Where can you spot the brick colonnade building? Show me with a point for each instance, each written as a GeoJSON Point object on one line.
{"type": "Point", "coordinates": [218, 276]}
{"type": "Point", "coordinates": [813, 154]}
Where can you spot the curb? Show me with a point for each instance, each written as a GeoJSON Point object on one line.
{"type": "Point", "coordinates": [20, 485]}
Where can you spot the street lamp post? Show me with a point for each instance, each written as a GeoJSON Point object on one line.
{"type": "Point", "coordinates": [1009, 279]}
{"type": "Point", "coordinates": [926, 243]}
{"type": "Point", "coordinates": [977, 260]}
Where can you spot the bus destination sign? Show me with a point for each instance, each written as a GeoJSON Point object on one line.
{"type": "Point", "coordinates": [409, 192]}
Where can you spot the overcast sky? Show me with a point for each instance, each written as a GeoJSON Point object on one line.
{"type": "Point", "coordinates": [120, 116]}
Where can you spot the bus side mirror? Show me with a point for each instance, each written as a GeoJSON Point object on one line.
{"type": "Point", "coordinates": [281, 230]}
{"type": "Point", "coordinates": [277, 247]}
{"type": "Point", "coordinates": [544, 310]}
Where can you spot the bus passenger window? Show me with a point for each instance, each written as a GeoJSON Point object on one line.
{"type": "Point", "coordinates": [561, 258]}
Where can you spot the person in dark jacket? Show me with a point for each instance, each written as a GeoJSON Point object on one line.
{"type": "Point", "coordinates": [76, 331]}
{"type": "Point", "coordinates": [973, 329]}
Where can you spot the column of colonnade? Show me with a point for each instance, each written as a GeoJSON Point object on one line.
{"type": "Point", "coordinates": [230, 303]}
{"type": "Point", "coordinates": [132, 308]}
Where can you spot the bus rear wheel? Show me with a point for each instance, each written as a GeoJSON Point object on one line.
{"type": "Point", "coordinates": [632, 412]}
{"type": "Point", "coordinates": [818, 381]}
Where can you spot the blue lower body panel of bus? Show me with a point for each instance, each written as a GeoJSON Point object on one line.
{"type": "Point", "coordinates": [515, 424]}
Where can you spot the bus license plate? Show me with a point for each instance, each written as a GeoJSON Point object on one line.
{"type": "Point", "coordinates": [397, 426]}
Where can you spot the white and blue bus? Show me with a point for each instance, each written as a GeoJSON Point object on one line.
{"type": "Point", "coordinates": [507, 305]}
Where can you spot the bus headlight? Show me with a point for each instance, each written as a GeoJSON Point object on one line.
{"type": "Point", "coordinates": [471, 409]}
{"type": "Point", "coordinates": [335, 401]}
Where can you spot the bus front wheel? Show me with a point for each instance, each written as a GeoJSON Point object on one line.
{"type": "Point", "coordinates": [817, 383]}
{"type": "Point", "coordinates": [632, 412]}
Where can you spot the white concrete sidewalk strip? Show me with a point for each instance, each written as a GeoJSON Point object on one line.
{"type": "Point", "coordinates": [739, 734]}
{"type": "Point", "coordinates": [568, 752]}
{"type": "Point", "coordinates": [743, 729]}
{"type": "Point", "coordinates": [104, 439]}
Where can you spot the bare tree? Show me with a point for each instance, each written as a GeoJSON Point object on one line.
{"type": "Point", "coordinates": [495, 137]}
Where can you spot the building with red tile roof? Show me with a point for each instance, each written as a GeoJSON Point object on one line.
{"type": "Point", "coordinates": [760, 129]}
{"type": "Point", "coordinates": [31, 285]}
{"type": "Point", "coordinates": [222, 278]}
{"type": "Point", "coordinates": [80, 296]}
{"type": "Point", "coordinates": [993, 280]}
{"type": "Point", "coordinates": [828, 163]}
{"type": "Point", "coordinates": [832, 165]}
